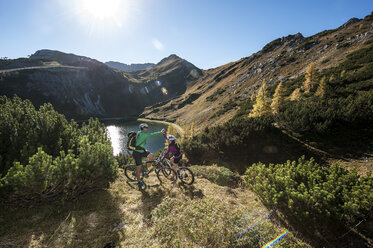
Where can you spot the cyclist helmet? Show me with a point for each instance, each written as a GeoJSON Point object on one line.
{"type": "Point", "coordinates": [143, 125]}
{"type": "Point", "coordinates": [171, 137]}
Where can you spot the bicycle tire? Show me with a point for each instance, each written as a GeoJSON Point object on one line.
{"type": "Point", "coordinates": [167, 163]}
{"type": "Point", "coordinates": [185, 173]}
{"type": "Point", "coordinates": [168, 173]}
{"type": "Point", "coordinates": [130, 172]}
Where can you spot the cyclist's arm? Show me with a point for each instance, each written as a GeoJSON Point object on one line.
{"type": "Point", "coordinates": [167, 152]}
{"type": "Point", "coordinates": [154, 134]}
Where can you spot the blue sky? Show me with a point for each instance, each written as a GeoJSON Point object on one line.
{"type": "Point", "coordinates": [205, 32]}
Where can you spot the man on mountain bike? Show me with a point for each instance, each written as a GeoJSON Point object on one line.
{"type": "Point", "coordinates": [141, 152]}
{"type": "Point", "coordinates": [174, 148]}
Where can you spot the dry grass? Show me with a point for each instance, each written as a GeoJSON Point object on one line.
{"type": "Point", "coordinates": [121, 214]}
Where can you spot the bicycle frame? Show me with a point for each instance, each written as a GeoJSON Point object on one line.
{"type": "Point", "coordinates": [157, 163]}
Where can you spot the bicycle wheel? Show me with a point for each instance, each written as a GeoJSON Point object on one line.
{"type": "Point", "coordinates": [130, 172]}
{"type": "Point", "coordinates": [166, 172]}
{"type": "Point", "coordinates": [186, 175]}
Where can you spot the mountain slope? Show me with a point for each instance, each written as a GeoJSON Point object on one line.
{"type": "Point", "coordinates": [127, 68]}
{"type": "Point", "coordinates": [213, 98]}
{"type": "Point", "coordinates": [81, 87]}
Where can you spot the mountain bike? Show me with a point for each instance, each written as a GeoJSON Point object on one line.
{"type": "Point", "coordinates": [159, 168]}
{"type": "Point", "coordinates": [185, 174]}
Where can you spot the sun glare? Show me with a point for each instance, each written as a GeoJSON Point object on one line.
{"type": "Point", "coordinates": [102, 9]}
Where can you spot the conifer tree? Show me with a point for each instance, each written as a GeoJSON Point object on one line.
{"type": "Point", "coordinates": [278, 99]}
{"type": "Point", "coordinates": [322, 89]}
{"type": "Point", "coordinates": [252, 97]}
{"type": "Point", "coordinates": [331, 79]}
{"type": "Point", "coordinates": [343, 73]}
{"type": "Point", "coordinates": [262, 105]}
{"type": "Point", "coordinates": [295, 96]}
{"type": "Point", "coordinates": [192, 131]}
{"type": "Point", "coordinates": [310, 78]}
{"type": "Point", "coordinates": [170, 130]}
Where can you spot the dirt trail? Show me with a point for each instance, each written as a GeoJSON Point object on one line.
{"type": "Point", "coordinates": [41, 67]}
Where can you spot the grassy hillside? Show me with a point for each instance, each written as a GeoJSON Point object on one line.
{"type": "Point", "coordinates": [215, 97]}
{"type": "Point", "coordinates": [202, 215]}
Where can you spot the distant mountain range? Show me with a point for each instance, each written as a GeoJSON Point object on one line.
{"type": "Point", "coordinates": [128, 68]}
{"type": "Point", "coordinates": [81, 87]}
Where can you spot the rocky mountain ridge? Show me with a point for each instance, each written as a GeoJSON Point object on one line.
{"type": "Point", "coordinates": [214, 97]}
{"type": "Point", "coordinates": [128, 68]}
{"type": "Point", "coordinates": [81, 87]}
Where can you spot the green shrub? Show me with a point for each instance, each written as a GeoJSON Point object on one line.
{"type": "Point", "coordinates": [239, 141]}
{"type": "Point", "coordinates": [195, 150]}
{"type": "Point", "coordinates": [324, 61]}
{"type": "Point", "coordinates": [245, 108]}
{"type": "Point", "coordinates": [324, 116]}
{"type": "Point", "coordinates": [45, 156]}
{"type": "Point", "coordinates": [226, 107]}
{"type": "Point", "coordinates": [215, 95]}
{"type": "Point", "coordinates": [23, 129]}
{"type": "Point", "coordinates": [220, 175]}
{"type": "Point", "coordinates": [124, 159]}
{"type": "Point", "coordinates": [325, 199]}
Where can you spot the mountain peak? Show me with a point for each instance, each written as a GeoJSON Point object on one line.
{"type": "Point", "coordinates": [173, 56]}
{"type": "Point", "coordinates": [63, 58]}
{"type": "Point", "coordinates": [48, 53]}
{"type": "Point", "coordinates": [350, 22]}
{"type": "Point", "coordinates": [169, 58]}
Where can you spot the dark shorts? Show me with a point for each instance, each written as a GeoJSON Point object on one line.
{"type": "Point", "coordinates": [139, 155]}
{"type": "Point", "coordinates": [178, 158]}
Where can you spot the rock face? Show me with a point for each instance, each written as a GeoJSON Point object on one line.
{"type": "Point", "coordinates": [81, 87]}
{"type": "Point", "coordinates": [128, 68]}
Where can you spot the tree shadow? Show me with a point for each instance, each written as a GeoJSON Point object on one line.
{"type": "Point", "coordinates": [92, 220]}
{"type": "Point", "coordinates": [191, 191]}
{"type": "Point", "coordinates": [150, 199]}
{"type": "Point", "coordinates": [325, 233]}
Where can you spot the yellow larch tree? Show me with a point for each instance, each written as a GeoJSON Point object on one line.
{"type": "Point", "coordinates": [278, 99]}
{"type": "Point", "coordinates": [310, 81]}
{"type": "Point", "coordinates": [295, 96]}
{"type": "Point", "coordinates": [331, 79]}
{"type": "Point", "coordinates": [192, 131]}
{"type": "Point", "coordinates": [343, 73]}
{"type": "Point", "coordinates": [262, 106]}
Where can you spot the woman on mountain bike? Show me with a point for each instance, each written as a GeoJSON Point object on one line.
{"type": "Point", "coordinates": [174, 148]}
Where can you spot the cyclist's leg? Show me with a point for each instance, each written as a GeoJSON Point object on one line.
{"type": "Point", "coordinates": [150, 158]}
{"type": "Point", "coordinates": [137, 156]}
{"type": "Point", "coordinates": [174, 164]}
{"type": "Point", "coordinates": [174, 167]}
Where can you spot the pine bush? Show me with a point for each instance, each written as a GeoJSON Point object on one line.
{"type": "Point", "coordinates": [326, 198]}
{"type": "Point", "coordinates": [44, 156]}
